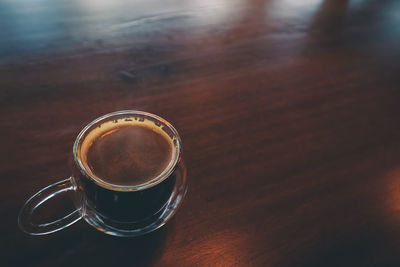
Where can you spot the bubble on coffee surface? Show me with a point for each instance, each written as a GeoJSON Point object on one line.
{"type": "Point", "coordinates": [128, 151]}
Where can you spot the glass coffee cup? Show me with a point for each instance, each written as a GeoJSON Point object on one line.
{"type": "Point", "coordinates": [128, 177]}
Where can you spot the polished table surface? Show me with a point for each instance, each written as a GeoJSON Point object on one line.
{"type": "Point", "coordinates": [289, 112]}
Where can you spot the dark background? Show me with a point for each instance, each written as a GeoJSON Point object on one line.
{"type": "Point", "coordinates": [288, 111]}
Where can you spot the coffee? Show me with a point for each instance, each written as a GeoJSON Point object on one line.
{"type": "Point", "coordinates": [128, 177]}
{"type": "Point", "coordinates": [127, 168]}
{"type": "Point", "coordinates": [127, 153]}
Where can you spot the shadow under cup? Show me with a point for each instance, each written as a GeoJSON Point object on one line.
{"type": "Point", "coordinates": [123, 209]}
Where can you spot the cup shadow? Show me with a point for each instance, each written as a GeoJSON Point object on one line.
{"type": "Point", "coordinates": [82, 245]}
{"type": "Point", "coordinates": [100, 249]}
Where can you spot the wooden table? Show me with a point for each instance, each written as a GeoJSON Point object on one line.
{"type": "Point", "coordinates": [288, 111]}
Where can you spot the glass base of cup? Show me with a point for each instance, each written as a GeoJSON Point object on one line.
{"type": "Point", "coordinates": [157, 220]}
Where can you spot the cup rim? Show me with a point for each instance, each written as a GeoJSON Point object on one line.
{"type": "Point", "coordinates": [158, 179]}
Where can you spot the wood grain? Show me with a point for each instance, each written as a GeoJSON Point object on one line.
{"type": "Point", "coordinates": [288, 112]}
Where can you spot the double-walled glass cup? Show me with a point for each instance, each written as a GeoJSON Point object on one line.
{"type": "Point", "coordinates": [115, 209]}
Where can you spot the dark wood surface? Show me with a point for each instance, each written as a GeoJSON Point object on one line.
{"type": "Point", "coordinates": [288, 111]}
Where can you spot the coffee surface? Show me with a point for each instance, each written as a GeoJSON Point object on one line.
{"type": "Point", "coordinates": [129, 155]}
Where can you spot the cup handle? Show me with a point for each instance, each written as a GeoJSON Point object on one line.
{"type": "Point", "coordinates": [24, 217]}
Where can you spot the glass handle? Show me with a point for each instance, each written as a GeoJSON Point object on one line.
{"type": "Point", "coordinates": [24, 217]}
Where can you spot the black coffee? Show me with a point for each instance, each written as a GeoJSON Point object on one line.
{"type": "Point", "coordinates": [129, 155]}
{"type": "Point", "coordinates": [126, 153]}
